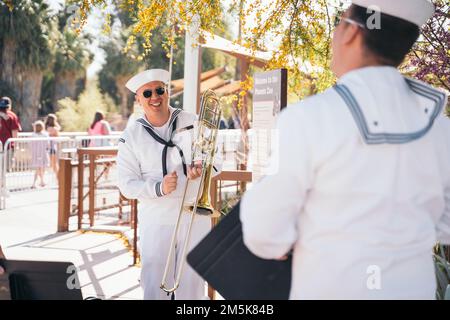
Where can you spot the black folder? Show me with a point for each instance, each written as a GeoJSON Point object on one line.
{"type": "Point", "coordinates": [39, 280]}
{"type": "Point", "coordinates": [223, 260]}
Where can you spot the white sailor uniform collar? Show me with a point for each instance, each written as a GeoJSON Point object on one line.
{"type": "Point", "coordinates": [174, 113]}
{"type": "Point", "coordinates": [365, 91]}
{"type": "Point", "coordinates": [166, 143]}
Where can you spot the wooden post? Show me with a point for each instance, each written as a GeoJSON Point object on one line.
{"type": "Point", "coordinates": [91, 189]}
{"type": "Point", "coordinates": [80, 187]}
{"type": "Point", "coordinates": [245, 124]}
{"type": "Point", "coordinates": [213, 194]}
{"type": "Point", "coordinates": [64, 193]}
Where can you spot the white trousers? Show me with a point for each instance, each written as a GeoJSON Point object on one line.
{"type": "Point", "coordinates": [155, 243]}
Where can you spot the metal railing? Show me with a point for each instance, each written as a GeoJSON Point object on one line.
{"type": "Point", "coordinates": [70, 134]}
{"type": "Point", "coordinates": [232, 148]}
{"type": "Point", "coordinates": [23, 156]}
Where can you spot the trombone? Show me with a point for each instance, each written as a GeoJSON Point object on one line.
{"type": "Point", "coordinates": [204, 147]}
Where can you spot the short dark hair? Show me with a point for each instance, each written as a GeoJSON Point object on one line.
{"type": "Point", "coordinates": [390, 43]}
{"type": "Point", "coordinates": [5, 102]}
{"type": "Point", "coordinates": [99, 115]}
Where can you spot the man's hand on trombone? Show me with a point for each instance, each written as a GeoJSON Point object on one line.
{"type": "Point", "coordinates": [169, 182]}
{"type": "Point", "coordinates": [194, 171]}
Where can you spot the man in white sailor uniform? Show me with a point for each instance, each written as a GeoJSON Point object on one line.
{"type": "Point", "coordinates": [152, 168]}
{"type": "Point", "coordinates": [362, 190]}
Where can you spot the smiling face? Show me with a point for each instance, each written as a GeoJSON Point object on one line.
{"type": "Point", "coordinates": [156, 107]}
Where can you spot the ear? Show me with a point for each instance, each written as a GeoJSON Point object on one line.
{"type": "Point", "coordinates": [350, 34]}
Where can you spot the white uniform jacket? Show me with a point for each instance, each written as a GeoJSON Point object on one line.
{"type": "Point", "coordinates": [362, 190]}
{"type": "Point", "coordinates": [140, 167]}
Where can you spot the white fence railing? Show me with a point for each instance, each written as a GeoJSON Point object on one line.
{"type": "Point", "coordinates": [22, 158]}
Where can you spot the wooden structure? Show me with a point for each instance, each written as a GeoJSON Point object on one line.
{"type": "Point", "coordinates": [93, 155]}
{"type": "Point", "coordinates": [93, 160]}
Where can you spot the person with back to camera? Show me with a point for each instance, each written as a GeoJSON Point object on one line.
{"type": "Point", "coordinates": [9, 128]}
{"type": "Point", "coordinates": [362, 186]}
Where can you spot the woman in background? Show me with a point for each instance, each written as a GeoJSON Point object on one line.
{"type": "Point", "coordinates": [99, 127]}
{"type": "Point", "coordinates": [53, 128]}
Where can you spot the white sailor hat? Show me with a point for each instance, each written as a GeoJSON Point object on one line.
{"type": "Point", "coordinates": [415, 11]}
{"type": "Point", "coordinates": [147, 76]}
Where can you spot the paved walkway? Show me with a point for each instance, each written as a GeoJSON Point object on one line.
{"type": "Point", "coordinates": [28, 232]}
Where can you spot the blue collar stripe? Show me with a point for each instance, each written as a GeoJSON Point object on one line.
{"type": "Point", "coordinates": [392, 138]}
{"type": "Point", "coordinates": [175, 114]}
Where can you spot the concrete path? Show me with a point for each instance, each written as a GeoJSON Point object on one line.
{"type": "Point", "coordinates": [28, 232]}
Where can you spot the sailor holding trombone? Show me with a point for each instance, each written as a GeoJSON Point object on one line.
{"type": "Point", "coordinates": [152, 168]}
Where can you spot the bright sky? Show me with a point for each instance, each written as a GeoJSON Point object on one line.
{"type": "Point", "coordinates": [94, 27]}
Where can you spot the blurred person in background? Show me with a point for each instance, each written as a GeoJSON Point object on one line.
{"type": "Point", "coordinates": [99, 127]}
{"type": "Point", "coordinates": [9, 128]}
{"type": "Point", "coordinates": [39, 153]}
{"type": "Point", "coordinates": [53, 128]}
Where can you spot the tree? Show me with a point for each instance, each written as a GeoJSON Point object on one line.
{"type": "Point", "coordinates": [124, 58]}
{"type": "Point", "coordinates": [116, 71]}
{"type": "Point", "coordinates": [66, 74]}
{"type": "Point", "coordinates": [25, 53]}
{"type": "Point", "coordinates": [77, 115]}
{"type": "Point", "coordinates": [71, 60]}
{"type": "Point", "coordinates": [301, 30]}
{"type": "Point", "coordinates": [430, 58]}
{"type": "Point", "coordinates": [119, 65]}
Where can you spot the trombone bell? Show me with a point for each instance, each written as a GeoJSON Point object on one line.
{"type": "Point", "coordinates": [203, 210]}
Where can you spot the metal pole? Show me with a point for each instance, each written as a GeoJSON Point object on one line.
{"type": "Point", "coordinates": [192, 67]}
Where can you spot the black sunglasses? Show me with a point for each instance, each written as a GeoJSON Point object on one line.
{"type": "Point", "coordinates": [148, 93]}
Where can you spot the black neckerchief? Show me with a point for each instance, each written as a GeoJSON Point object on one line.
{"type": "Point", "coordinates": [167, 145]}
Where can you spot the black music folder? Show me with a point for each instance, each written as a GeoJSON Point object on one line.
{"type": "Point", "coordinates": [38, 280]}
{"type": "Point", "coordinates": [223, 260]}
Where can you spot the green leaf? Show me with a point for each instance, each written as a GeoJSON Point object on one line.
{"type": "Point", "coordinates": [447, 293]}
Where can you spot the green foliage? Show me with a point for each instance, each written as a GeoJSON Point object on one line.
{"type": "Point", "coordinates": [78, 115]}
{"type": "Point", "coordinates": [442, 268]}
{"type": "Point", "coordinates": [70, 59]}
{"type": "Point", "coordinates": [6, 90]}
{"type": "Point", "coordinates": [47, 90]}
{"type": "Point", "coordinates": [117, 64]}
{"type": "Point", "coordinates": [28, 24]}
{"type": "Point", "coordinates": [125, 59]}
{"type": "Point", "coordinates": [71, 52]}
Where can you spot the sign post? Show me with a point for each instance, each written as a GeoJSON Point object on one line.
{"type": "Point", "coordinates": [269, 98]}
